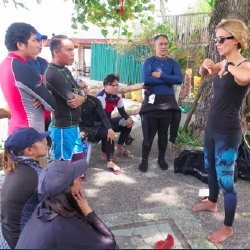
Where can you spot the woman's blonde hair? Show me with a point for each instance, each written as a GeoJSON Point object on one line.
{"type": "Point", "coordinates": [237, 28]}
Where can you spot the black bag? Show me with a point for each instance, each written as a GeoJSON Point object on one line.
{"type": "Point", "coordinates": [191, 162]}
{"type": "Point", "coordinates": [243, 159]}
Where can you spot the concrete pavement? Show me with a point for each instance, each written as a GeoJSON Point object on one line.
{"type": "Point", "coordinates": [142, 208]}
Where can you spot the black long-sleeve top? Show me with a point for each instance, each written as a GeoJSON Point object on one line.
{"type": "Point", "coordinates": [89, 109]}
{"type": "Point", "coordinates": [63, 86]}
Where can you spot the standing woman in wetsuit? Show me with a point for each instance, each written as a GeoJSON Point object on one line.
{"type": "Point", "coordinates": [223, 130]}
{"type": "Point", "coordinates": [160, 112]}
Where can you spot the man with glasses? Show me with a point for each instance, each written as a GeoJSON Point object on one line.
{"type": "Point", "coordinates": [110, 99]}
{"type": "Point", "coordinates": [22, 86]}
{"type": "Point", "coordinates": [101, 131]}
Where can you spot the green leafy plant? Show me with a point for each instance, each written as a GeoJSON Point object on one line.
{"type": "Point", "coordinates": [185, 138]}
{"type": "Point", "coordinates": [140, 44]}
{"type": "Point", "coordinates": [1, 147]}
{"type": "Point", "coordinates": [110, 13]}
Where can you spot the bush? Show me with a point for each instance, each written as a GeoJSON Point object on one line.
{"type": "Point", "coordinates": [185, 138]}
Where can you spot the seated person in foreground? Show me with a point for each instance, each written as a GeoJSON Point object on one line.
{"type": "Point", "coordinates": [19, 197]}
{"type": "Point", "coordinates": [103, 131]}
{"type": "Point", "coordinates": [64, 219]}
{"type": "Point", "coordinates": [110, 99]}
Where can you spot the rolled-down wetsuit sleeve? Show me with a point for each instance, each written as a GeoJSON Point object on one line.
{"type": "Point", "coordinates": [102, 114]}
{"type": "Point", "coordinates": [30, 81]}
{"type": "Point", "coordinates": [58, 86]}
{"type": "Point", "coordinates": [146, 74]}
{"type": "Point", "coordinates": [175, 77]}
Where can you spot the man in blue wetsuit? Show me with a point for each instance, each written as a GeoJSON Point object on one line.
{"type": "Point", "coordinates": [159, 110]}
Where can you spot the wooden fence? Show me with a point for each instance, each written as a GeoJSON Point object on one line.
{"type": "Point", "coordinates": [190, 28]}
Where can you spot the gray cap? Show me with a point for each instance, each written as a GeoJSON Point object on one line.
{"type": "Point", "coordinates": [57, 176]}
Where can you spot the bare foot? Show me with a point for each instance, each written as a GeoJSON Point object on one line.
{"type": "Point", "coordinates": [113, 166]}
{"type": "Point", "coordinates": [221, 235]}
{"type": "Point", "coordinates": [208, 206]}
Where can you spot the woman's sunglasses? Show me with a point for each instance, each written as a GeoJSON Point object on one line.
{"type": "Point", "coordinates": [221, 40]}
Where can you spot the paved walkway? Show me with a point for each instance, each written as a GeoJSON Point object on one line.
{"type": "Point", "coordinates": [142, 208]}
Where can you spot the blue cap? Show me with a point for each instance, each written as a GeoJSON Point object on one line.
{"type": "Point", "coordinates": [40, 36]}
{"type": "Point", "coordinates": [57, 176]}
{"type": "Point", "coordinates": [23, 138]}
{"type": "Point", "coordinates": [78, 80]}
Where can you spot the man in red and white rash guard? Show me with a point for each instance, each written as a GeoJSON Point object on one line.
{"type": "Point", "coordinates": [21, 85]}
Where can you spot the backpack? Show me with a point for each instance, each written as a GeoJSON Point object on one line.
{"type": "Point", "coordinates": [243, 159]}
{"type": "Point", "coordinates": [191, 162]}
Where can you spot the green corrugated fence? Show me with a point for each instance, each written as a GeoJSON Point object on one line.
{"type": "Point", "coordinates": [103, 62]}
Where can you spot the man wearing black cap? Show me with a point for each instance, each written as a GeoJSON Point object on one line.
{"type": "Point", "coordinates": [20, 83]}
{"type": "Point", "coordinates": [19, 195]}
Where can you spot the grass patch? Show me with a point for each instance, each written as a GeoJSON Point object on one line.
{"type": "Point", "coordinates": [185, 138]}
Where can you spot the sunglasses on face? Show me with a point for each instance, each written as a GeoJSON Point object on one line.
{"type": "Point", "coordinates": [221, 40]}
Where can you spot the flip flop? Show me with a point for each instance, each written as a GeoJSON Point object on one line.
{"type": "Point", "coordinates": [116, 172]}
{"type": "Point", "coordinates": [126, 153]}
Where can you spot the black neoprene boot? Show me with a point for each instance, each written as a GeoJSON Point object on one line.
{"type": "Point", "coordinates": [144, 165]}
{"type": "Point", "coordinates": [163, 165]}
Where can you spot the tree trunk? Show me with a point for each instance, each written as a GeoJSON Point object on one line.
{"type": "Point", "coordinates": [223, 9]}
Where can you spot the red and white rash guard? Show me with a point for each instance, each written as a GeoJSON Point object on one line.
{"type": "Point", "coordinates": [20, 84]}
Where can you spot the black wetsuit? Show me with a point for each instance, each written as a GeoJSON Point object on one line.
{"type": "Point", "coordinates": [96, 131]}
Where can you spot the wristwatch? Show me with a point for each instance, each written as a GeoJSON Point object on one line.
{"type": "Point", "coordinates": [226, 65]}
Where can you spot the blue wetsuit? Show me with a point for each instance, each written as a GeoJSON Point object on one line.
{"type": "Point", "coordinates": [164, 111]}
{"type": "Point", "coordinates": [170, 75]}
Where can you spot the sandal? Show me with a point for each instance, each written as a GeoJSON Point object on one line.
{"type": "Point", "coordinates": [126, 153]}
{"type": "Point", "coordinates": [116, 172]}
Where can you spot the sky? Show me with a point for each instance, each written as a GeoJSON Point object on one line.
{"type": "Point", "coordinates": [54, 16]}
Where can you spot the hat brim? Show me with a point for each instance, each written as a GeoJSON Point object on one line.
{"type": "Point", "coordinates": [40, 36]}
{"type": "Point", "coordinates": [80, 166]}
{"type": "Point", "coordinates": [43, 135]}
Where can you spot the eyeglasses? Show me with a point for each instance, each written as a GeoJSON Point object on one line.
{"type": "Point", "coordinates": [221, 40]}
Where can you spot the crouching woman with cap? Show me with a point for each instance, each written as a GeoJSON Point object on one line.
{"type": "Point", "coordinates": [19, 198]}
{"type": "Point", "coordinates": [64, 219]}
